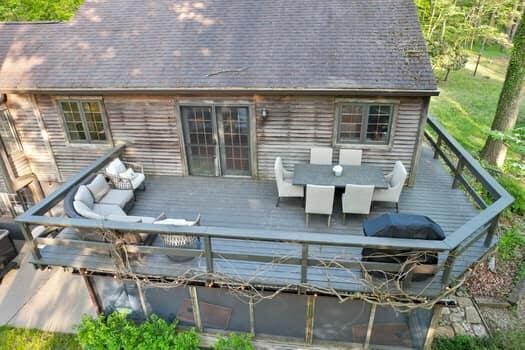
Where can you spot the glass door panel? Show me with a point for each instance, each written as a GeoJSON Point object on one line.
{"type": "Point", "coordinates": [199, 131]}
{"type": "Point", "coordinates": [234, 138]}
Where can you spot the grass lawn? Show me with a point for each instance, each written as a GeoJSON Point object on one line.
{"type": "Point", "coordinates": [31, 339]}
{"type": "Point", "coordinates": [467, 104]}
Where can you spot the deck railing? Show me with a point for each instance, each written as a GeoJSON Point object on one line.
{"type": "Point", "coordinates": [482, 225]}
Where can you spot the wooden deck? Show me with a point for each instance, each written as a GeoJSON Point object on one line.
{"type": "Point", "coordinates": [247, 203]}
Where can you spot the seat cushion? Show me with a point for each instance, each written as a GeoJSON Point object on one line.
{"type": "Point", "coordinates": [137, 180]}
{"type": "Point", "coordinates": [86, 212]}
{"type": "Point", "coordinates": [98, 187]}
{"type": "Point", "coordinates": [115, 167]}
{"type": "Point", "coordinates": [175, 222]}
{"type": "Point", "coordinates": [108, 209]}
{"type": "Point", "coordinates": [117, 197]}
{"type": "Point", "coordinates": [84, 195]}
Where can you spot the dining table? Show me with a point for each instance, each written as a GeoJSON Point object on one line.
{"type": "Point", "coordinates": [323, 175]}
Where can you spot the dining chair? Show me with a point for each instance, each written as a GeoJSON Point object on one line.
{"type": "Point", "coordinates": [357, 199]}
{"type": "Point", "coordinates": [319, 200]}
{"type": "Point", "coordinates": [283, 179]}
{"type": "Point", "coordinates": [396, 181]}
{"type": "Point", "coordinates": [350, 156]}
{"type": "Point", "coordinates": [321, 155]}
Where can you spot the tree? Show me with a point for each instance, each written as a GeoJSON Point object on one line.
{"type": "Point", "coordinates": [495, 150]}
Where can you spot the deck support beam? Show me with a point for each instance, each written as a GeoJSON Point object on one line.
{"type": "Point", "coordinates": [142, 299]}
{"type": "Point", "coordinates": [93, 296]}
{"type": "Point", "coordinates": [436, 315]}
{"type": "Point", "coordinates": [371, 319]}
{"type": "Point", "coordinates": [310, 312]}
{"type": "Point", "coordinates": [491, 231]}
{"type": "Point", "coordinates": [252, 317]}
{"type": "Point", "coordinates": [195, 307]}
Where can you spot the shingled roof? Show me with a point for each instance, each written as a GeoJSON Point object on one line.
{"type": "Point", "coordinates": [221, 45]}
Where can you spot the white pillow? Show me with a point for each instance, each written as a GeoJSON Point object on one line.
{"type": "Point", "coordinates": [98, 187]}
{"type": "Point", "coordinates": [83, 195]}
{"type": "Point", "coordinates": [128, 174]}
{"type": "Point", "coordinates": [116, 167]}
{"type": "Point", "coordinates": [84, 211]}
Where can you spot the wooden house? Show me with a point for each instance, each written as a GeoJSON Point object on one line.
{"type": "Point", "coordinates": [206, 94]}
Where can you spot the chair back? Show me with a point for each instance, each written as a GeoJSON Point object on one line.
{"type": "Point", "coordinates": [350, 156]}
{"type": "Point", "coordinates": [321, 155]}
{"type": "Point", "coordinates": [399, 175]}
{"type": "Point", "coordinates": [357, 199]}
{"type": "Point", "coordinates": [319, 199]}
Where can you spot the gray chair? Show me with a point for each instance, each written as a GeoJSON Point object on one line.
{"type": "Point", "coordinates": [321, 155]}
{"type": "Point", "coordinates": [283, 179]}
{"type": "Point", "coordinates": [319, 200]}
{"type": "Point", "coordinates": [357, 199]}
{"type": "Point", "coordinates": [350, 156]}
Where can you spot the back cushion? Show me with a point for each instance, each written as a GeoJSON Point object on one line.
{"type": "Point", "coordinates": [84, 211]}
{"type": "Point", "coordinates": [98, 187]}
{"type": "Point", "coordinates": [116, 167]}
{"type": "Point", "coordinates": [83, 195]}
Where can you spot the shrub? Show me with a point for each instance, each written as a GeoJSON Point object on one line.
{"type": "Point", "coordinates": [117, 332]}
{"type": "Point", "coordinates": [511, 244]}
{"type": "Point", "coordinates": [514, 340]}
{"type": "Point", "coordinates": [234, 342]}
{"type": "Point", "coordinates": [516, 190]}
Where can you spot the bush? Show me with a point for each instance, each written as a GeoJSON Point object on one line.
{"type": "Point", "coordinates": [514, 340]}
{"type": "Point", "coordinates": [511, 244]}
{"type": "Point", "coordinates": [516, 190]}
{"type": "Point", "coordinates": [117, 332]}
{"type": "Point", "coordinates": [234, 342]}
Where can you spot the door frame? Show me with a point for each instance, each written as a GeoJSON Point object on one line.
{"type": "Point", "coordinates": [199, 102]}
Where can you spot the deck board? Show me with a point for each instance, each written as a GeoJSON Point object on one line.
{"type": "Point", "coordinates": [249, 203]}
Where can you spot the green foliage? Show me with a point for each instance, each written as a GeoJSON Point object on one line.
{"type": "Point", "coordinates": [517, 190]}
{"type": "Point", "coordinates": [117, 332]}
{"type": "Point", "coordinates": [514, 340]}
{"type": "Point", "coordinates": [23, 339]}
{"type": "Point", "coordinates": [511, 244]}
{"type": "Point", "coordinates": [38, 10]}
{"type": "Point", "coordinates": [234, 342]}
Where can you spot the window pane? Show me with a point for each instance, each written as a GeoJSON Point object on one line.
{"type": "Point", "coordinates": [73, 121]}
{"type": "Point", "coordinates": [351, 122]}
{"type": "Point", "coordinates": [378, 127]}
{"type": "Point", "coordinates": [8, 133]}
{"type": "Point", "coordinates": [95, 123]}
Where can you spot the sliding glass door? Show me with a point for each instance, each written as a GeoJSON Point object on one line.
{"type": "Point", "coordinates": [217, 140]}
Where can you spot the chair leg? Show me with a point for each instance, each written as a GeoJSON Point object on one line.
{"type": "Point", "coordinates": [397, 207]}
{"type": "Point", "coordinates": [344, 218]}
{"type": "Point", "coordinates": [329, 220]}
{"type": "Point", "coordinates": [278, 200]}
{"type": "Point", "coordinates": [306, 218]}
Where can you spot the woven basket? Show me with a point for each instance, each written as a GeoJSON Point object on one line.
{"type": "Point", "coordinates": [178, 241]}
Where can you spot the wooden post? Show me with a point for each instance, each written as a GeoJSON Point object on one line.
{"type": "Point", "coordinates": [29, 239]}
{"type": "Point", "coordinates": [438, 146]}
{"type": "Point", "coordinates": [92, 292]}
{"type": "Point", "coordinates": [310, 311]}
{"type": "Point", "coordinates": [209, 254]}
{"type": "Point", "coordinates": [457, 173]}
{"type": "Point", "coordinates": [370, 326]}
{"type": "Point", "coordinates": [304, 263]}
{"type": "Point", "coordinates": [252, 317]}
{"type": "Point", "coordinates": [449, 264]}
{"type": "Point", "coordinates": [491, 231]}
{"type": "Point", "coordinates": [195, 307]}
{"type": "Point", "coordinates": [436, 314]}
{"type": "Point", "coordinates": [142, 299]}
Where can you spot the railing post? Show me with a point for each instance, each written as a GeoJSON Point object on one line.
{"type": "Point", "coordinates": [310, 311]}
{"type": "Point", "coordinates": [458, 172]}
{"type": "Point", "coordinates": [436, 313]}
{"type": "Point", "coordinates": [304, 263]}
{"type": "Point", "coordinates": [209, 254]}
{"type": "Point", "coordinates": [28, 236]}
{"type": "Point", "coordinates": [491, 231]}
{"type": "Point", "coordinates": [438, 146]}
{"type": "Point", "coordinates": [449, 264]}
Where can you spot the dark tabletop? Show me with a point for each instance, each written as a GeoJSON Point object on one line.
{"type": "Point", "coordinates": [315, 174]}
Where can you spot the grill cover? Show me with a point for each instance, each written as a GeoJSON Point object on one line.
{"type": "Point", "coordinates": [403, 226]}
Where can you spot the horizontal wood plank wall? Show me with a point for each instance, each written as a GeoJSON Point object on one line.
{"type": "Point", "coordinates": [295, 124]}
{"type": "Point", "coordinates": [35, 150]}
{"type": "Point", "coordinates": [19, 164]}
{"type": "Point", "coordinates": [149, 123]}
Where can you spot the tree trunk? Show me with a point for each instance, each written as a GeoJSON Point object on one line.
{"type": "Point", "coordinates": [511, 95]}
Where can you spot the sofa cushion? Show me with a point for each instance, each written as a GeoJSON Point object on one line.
{"type": "Point", "coordinates": [83, 210]}
{"type": "Point", "coordinates": [116, 167]}
{"type": "Point", "coordinates": [117, 197]}
{"type": "Point", "coordinates": [98, 187]}
{"type": "Point", "coordinates": [128, 174]}
{"type": "Point", "coordinates": [84, 195]}
{"type": "Point", "coordinates": [108, 209]}
{"type": "Point", "coordinates": [137, 180]}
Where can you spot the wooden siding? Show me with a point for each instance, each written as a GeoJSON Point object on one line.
{"type": "Point", "coordinates": [294, 124]}
{"type": "Point", "coordinates": [36, 152]}
{"type": "Point", "coordinates": [297, 123]}
{"type": "Point", "coordinates": [19, 164]}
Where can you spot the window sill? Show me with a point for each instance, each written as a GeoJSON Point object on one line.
{"type": "Point", "coordinates": [387, 147]}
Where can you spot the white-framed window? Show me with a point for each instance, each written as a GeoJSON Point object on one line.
{"type": "Point", "coordinates": [84, 121]}
{"type": "Point", "coordinates": [364, 123]}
